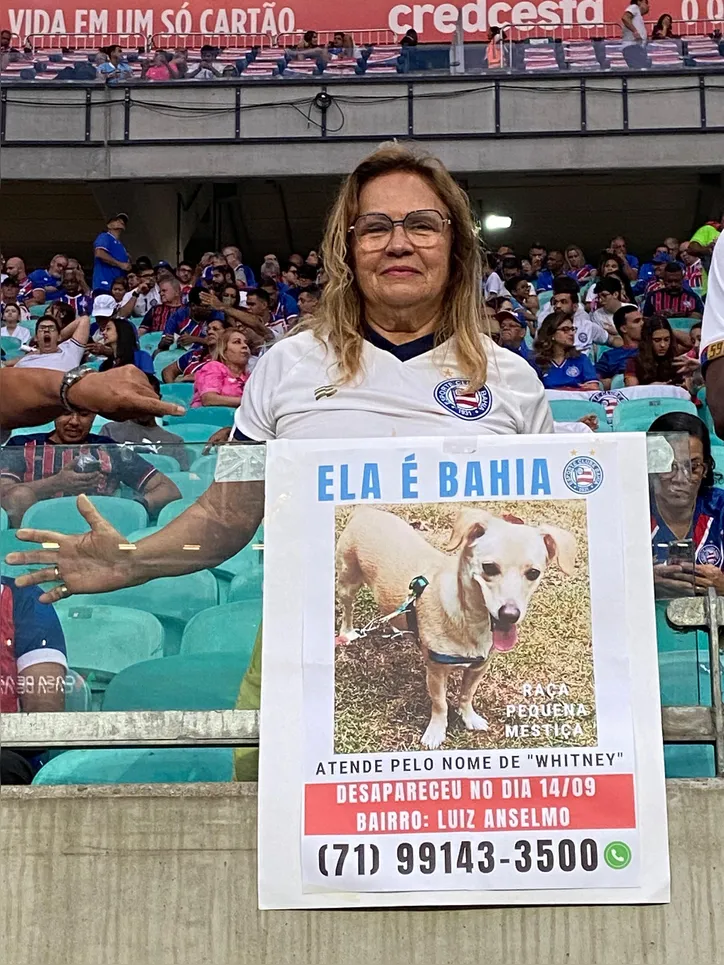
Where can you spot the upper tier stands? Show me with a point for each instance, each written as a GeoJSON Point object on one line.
{"type": "Point", "coordinates": [253, 60]}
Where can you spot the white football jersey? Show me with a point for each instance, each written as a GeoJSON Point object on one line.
{"type": "Point", "coordinates": [712, 332]}
{"type": "Point", "coordinates": [292, 395]}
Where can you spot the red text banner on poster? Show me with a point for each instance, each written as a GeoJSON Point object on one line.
{"type": "Point", "coordinates": [437, 21]}
{"type": "Point", "coordinates": [579, 802]}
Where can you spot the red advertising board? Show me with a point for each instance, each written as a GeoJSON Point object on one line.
{"type": "Point", "coordinates": [433, 21]}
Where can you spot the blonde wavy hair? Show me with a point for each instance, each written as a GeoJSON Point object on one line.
{"type": "Point", "coordinates": [338, 320]}
{"type": "Point", "coordinates": [218, 351]}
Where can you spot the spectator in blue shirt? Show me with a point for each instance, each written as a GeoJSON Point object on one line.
{"type": "Point", "coordinates": [45, 285]}
{"type": "Point", "coordinates": [559, 364]}
{"type": "Point", "coordinates": [189, 322]}
{"type": "Point", "coordinates": [555, 268]}
{"type": "Point", "coordinates": [512, 335]}
{"type": "Point", "coordinates": [244, 275]}
{"type": "Point", "coordinates": [115, 68]}
{"type": "Point", "coordinates": [110, 258]}
{"type": "Point", "coordinates": [33, 664]}
{"type": "Point", "coordinates": [628, 321]}
{"type": "Point", "coordinates": [630, 262]}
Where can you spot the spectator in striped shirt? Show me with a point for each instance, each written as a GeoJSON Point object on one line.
{"type": "Point", "coordinates": [71, 460]}
{"type": "Point", "coordinates": [694, 275]}
{"type": "Point", "coordinates": [673, 300]}
{"type": "Point", "coordinates": [155, 318]}
{"type": "Point", "coordinates": [184, 369]}
{"type": "Point", "coordinates": [74, 292]}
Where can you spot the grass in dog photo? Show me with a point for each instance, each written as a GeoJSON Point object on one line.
{"type": "Point", "coordinates": [494, 649]}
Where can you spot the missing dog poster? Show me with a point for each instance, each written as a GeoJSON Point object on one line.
{"type": "Point", "coordinates": [460, 701]}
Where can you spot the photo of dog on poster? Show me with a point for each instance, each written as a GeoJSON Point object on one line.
{"type": "Point", "coordinates": [463, 625]}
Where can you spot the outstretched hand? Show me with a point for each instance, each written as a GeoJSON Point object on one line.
{"type": "Point", "coordinates": [91, 562]}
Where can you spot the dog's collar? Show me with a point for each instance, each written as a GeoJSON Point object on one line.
{"type": "Point", "coordinates": [454, 659]}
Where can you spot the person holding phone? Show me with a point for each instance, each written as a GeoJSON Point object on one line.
{"type": "Point", "coordinates": [72, 460]}
{"type": "Point", "coordinates": [687, 511]}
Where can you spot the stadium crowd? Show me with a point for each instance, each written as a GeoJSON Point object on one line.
{"type": "Point", "coordinates": [197, 330]}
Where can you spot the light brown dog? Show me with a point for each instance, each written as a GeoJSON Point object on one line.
{"type": "Point", "coordinates": [473, 603]}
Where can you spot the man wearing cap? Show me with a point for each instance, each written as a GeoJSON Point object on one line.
{"type": "Point", "coordinates": [110, 258]}
{"type": "Point", "coordinates": [512, 335]}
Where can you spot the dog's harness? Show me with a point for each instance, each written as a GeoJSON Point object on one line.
{"type": "Point", "coordinates": [417, 585]}
{"type": "Point", "coordinates": [409, 608]}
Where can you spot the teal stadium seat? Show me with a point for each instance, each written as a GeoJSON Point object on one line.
{"type": "Point", "coordinates": [717, 454]}
{"type": "Point", "coordinates": [10, 346]}
{"type": "Point", "coordinates": [571, 410]}
{"type": "Point", "coordinates": [173, 600]}
{"type": "Point", "coordinates": [62, 514]}
{"type": "Point", "coordinates": [3, 519]}
{"type": "Point", "coordinates": [181, 392]}
{"type": "Point", "coordinates": [636, 415]}
{"type": "Point", "coordinates": [193, 431]}
{"type": "Point", "coordinates": [172, 510]}
{"type": "Point", "coordinates": [231, 628]}
{"type": "Point", "coordinates": [27, 430]}
{"type": "Point", "coordinates": [37, 310]}
{"type": "Point", "coordinates": [204, 466]}
{"type": "Point", "coordinates": [162, 765]}
{"type": "Point", "coordinates": [617, 382]}
{"type": "Point", "coordinates": [150, 341]}
{"type": "Point", "coordinates": [166, 464]}
{"type": "Point", "coordinates": [9, 543]}
{"type": "Point", "coordinates": [77, 693]}
{"type": "Point", "coordinates": [166, 358]}
{"type": "Point", "coordinates": [684, 681]}
{"type": "Point", "coordinates": [190, 485]}
{"type": "Point", "coordinates": [103, 640]}
{"type": "Point", "coordinates": [681, 324]}
{"type": "Point", "coordinates": [212, 415]}
{"type": "Point", "coordinates": [197, 681]}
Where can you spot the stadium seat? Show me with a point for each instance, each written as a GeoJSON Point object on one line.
{"type": "Point", "coordinates": [165, 358]}
{"type": "Point", "coordinates": [230, 628]}
{"type": "Point", "coordinates": [636, 415]}
{"type": "Point", "coordinates": [3, 519]}
{"type": "Point", "coordinates": [689, 760]}
{"type": "Point", "coordinates": [162, 765]}
{"type": "Point", "coordinates": [181, 392]}
{"type": "Point", "coordinates": [617, 382]}
{"type": "Point", "coordinates": [61, 514]}
{"type": "Point", "coordinates": [103, 640]}
{"type": "Point", "coordinates": [681, 324]}
{"type": "Point", "coordinates": [190, 485]}
{"type": "Point", "coordinates": [213, 415]}
{"type": "Point", "coordinates": [172, 510]}
{"type": "Point", "coordinates": [9, 543]}
{"type": "Point", "coordinates": [10, 346]}
{"type": "Point", "coordinates": [27, 430]}
{"type": "Point", "coordinates": [166, 464]}
{"type": "Point", "coordinates": [173, 601]}
{"type": "Point", "coordinates": [149, 341]}
{"type": "Point", "coordinates": [571, 410]}
{"type": "Point", "coordinates": [197, 681]}
{"type": "Point", "coordinates": [193, 431]}
{"type": "Point", "coordinates": [204, 466]}
{"type": "Point", "coordinates": [247, 584]}
{"type": "Point", "coordinates": [77, 693]}
{"type": "Point", "coordinates": [717, 454]}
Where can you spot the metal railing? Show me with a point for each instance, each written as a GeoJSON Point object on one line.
{"type": "Point", "coordinates": [85, 41]}
{"type": "Point", "coordinates": [364, 36]}
{"type": "Point", "coordinates": [192, 41]}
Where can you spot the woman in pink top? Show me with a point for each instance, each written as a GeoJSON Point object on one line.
{"type": "Point", "coordinates": [221, 381]}
{"type": "Point", "coordinates": [160, 69]}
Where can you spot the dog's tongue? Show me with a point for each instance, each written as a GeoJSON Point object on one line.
{"type": "Point", "coordinates": [504, 640]}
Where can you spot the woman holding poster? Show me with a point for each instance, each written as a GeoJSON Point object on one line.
{"type": "Point", "coordinates": [397, 349]}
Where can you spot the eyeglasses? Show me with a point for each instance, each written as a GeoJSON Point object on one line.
{"type": "Point", "coordinates": [695, 468]}
{"type": "Point", "coordinates": [566, 328]}
{"type": "Point", "coordinates": [424, 229]}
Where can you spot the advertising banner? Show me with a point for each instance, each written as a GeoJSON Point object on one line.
{"type": "Point", "coordinates": [460, 697]}
{"type": "Point", "coordinates": [433, 21]}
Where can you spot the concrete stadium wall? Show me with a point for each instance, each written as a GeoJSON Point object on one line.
{"type": "Point", "coordinates": [138, 133]}
{"type": "Point", "coordinates": [165, 875]}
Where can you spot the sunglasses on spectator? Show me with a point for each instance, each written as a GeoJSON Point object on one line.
{"type": "Point", "coordinates": [424, 228]}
